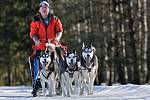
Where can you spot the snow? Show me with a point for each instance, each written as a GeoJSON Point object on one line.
{"type": "Point", "coordinates": [115, 92]}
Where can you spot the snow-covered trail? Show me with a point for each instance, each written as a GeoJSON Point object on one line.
{"type": "Point", "coordinates": [116, 92]}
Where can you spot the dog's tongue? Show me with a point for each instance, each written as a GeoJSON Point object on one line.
{"type": "Point", "coordinates": [71, 64]}
{"type": "Point", "coordinates": [88, 62]}
{"type": "Point", "coordinates": [45, 64]}
{"type": "Point", "coordinates": [88, 59]}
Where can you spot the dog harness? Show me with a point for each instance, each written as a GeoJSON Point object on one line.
{"type": "Point", "coordinates": [83, 63]}
{"type": "Point", "coordinates": [49, 70]}
{"type": "Point", "coordinates": [71, 71]}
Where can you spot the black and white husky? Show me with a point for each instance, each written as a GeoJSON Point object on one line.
{"type": "Point", "coordinates": [48, 72]}
{"type": "Point", "coordinates": [88, 66]}
{"type": "Point", "coordinates": [70, 74]}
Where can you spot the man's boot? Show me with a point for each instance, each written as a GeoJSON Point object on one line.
{"type": "Point", "coordinates": [36, 87]}
{"type": "Point", "coordinates": [34, 92]}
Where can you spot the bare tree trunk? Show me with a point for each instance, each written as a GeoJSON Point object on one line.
{"type": "Point", "coordinates": [145, 41]}
{"type": "Point", "coordinates": [9, 75]}
{"type": "Point", "coordinates": [142, 40]}
{"type": "Point", "coordinates": [136, 76]}
{"type": "Point", "coordinates": [118, 41]}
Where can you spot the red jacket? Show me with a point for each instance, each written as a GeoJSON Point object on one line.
{"type": "Point", "coordinates": [43, 32]}
{"type": "Point", "coordinates": [39, 29]}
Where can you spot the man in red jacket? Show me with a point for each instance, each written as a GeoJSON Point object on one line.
{"type": "Point", "coordinates": [44, 28]}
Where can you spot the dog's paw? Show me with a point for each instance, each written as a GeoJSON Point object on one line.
{"type": "Point", "coordinates": [68, 95]}
{"type": "Point", "coordinates": [90, 93]}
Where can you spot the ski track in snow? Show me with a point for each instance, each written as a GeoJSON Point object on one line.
{"type": "Point", "coordinates": [116, 92]}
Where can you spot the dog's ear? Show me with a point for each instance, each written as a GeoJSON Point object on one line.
{"type": "Point", "coordinates": [68, 50]}
{"type": "Point", "coordinates": [74, 51]}
{"type": "Point", "coordinates": [94, 50]}
{"type": "Point", "coordinates": [83, 45]}
{"type": "Point", "coordinates": [66, 54]}
{"type": "Point", "coordinates": [46, 50]}
{"type": "Point", "coordinates": [41, 53]}
{"type": "Point", "coordinates": [91, 45]}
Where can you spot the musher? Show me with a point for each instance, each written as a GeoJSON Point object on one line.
{"type": "Point", "coordinates": [44, 29]}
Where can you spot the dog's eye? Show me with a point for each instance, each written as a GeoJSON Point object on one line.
{"type": "Point", "coordinates": [90, 51]}
{"type": "Point", "coordinates": [74, 56]}
{"type": "Point", "coordinates": [86, 50]}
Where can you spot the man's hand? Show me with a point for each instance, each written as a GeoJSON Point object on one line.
{"type": "Point", "coordinates": [56, 39]}
{"type": "Point", "coordinates": [50, 46]}
{"type": "Point", "coordinates": [36, 40]}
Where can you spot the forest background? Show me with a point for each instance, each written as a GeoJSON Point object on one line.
{"type": "Point", "coordinates": [118, 29]}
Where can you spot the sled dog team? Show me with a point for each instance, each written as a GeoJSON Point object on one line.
{"type": "Point", "coordinates": [76, 74]}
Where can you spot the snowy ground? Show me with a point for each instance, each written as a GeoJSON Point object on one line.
{"type": "Point", "coordinates": [116, 92]}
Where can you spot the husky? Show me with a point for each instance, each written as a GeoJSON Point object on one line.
{"type": "Point", "coordinates": [88, 66]}
{"type": "Point", "coordinates": [48, 72]}
{"type": "Point", "coordinates": [70, 74]}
